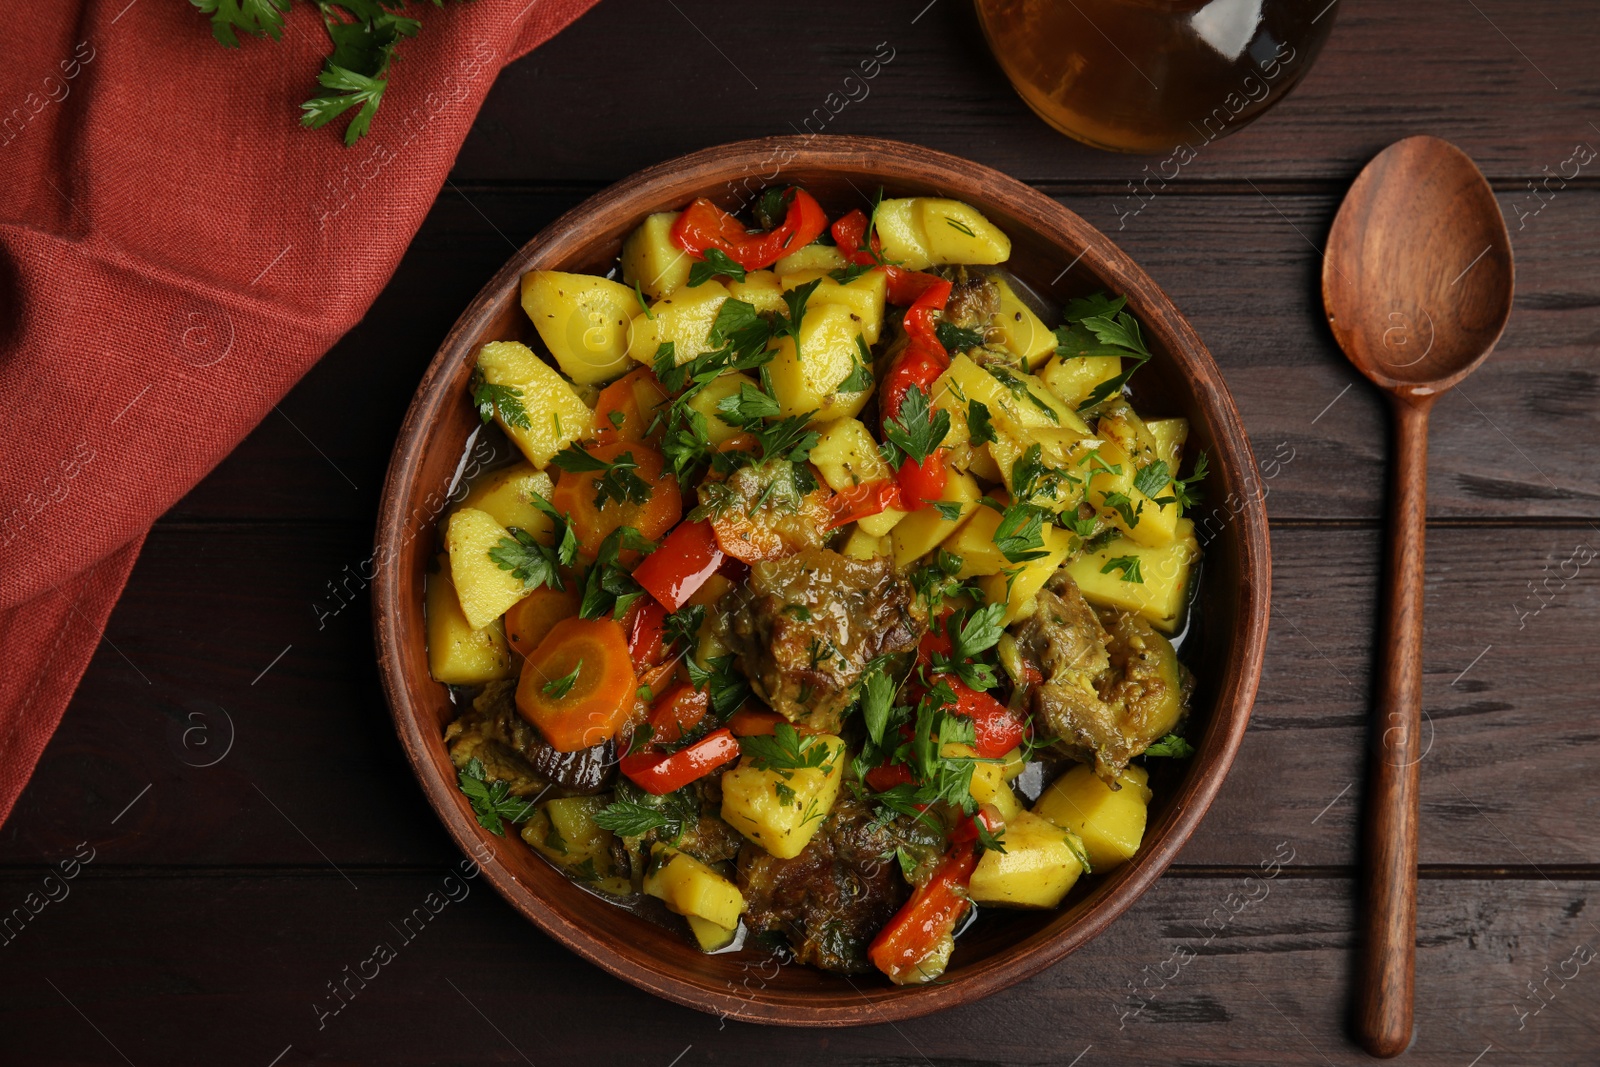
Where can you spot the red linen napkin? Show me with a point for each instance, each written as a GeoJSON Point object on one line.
{"type": "Point", "coordinates": [175, 252]}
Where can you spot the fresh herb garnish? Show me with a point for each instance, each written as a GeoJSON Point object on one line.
{"type": "Point", "coordinates": [608, 589]}
{"type": "Point", "coordinates": [722, 681]}
{"type": "Point", "coordinates": [1123, 505]}
{"type": "Point", "coordinates": [530, 561]}
{"type": "Point", "coordinates": [949, 510]}
{"type": "Point", "coordinates": [491, 802]}
{"type": "Point", "coordinates": [617, 479]}
{"type": "Point", "coordinates": [644, 306]}
{"type": "Point", "coordinates": [1153, 477]}
{"type": "Point", "coordinates": [628, 818]}
{"type": "Point", "coordinates": [917, 430]}
{"type": "Point", "coordinates": [364, 35]}
{"type": "Point", "coordinates": [959, 226]}
{"type": "Point", "coordinates": [980, 427]}
{"type": "Point", "coordinates": [860, 377]}
{"type": "Point", "coordinates": [563, 685]}
{"type": "Point", "coordinates": [1128, 565]}
{"type": "Point", "coordinates": [1020, 535]}
{"type": "Point", "coordinates": [1184, 493]}
{"type": "Point", "coordinates": [504, 400]}
{"type": "Point", "coordinates": [1121, 331]}
{"type": "Point", "coordinates": [683, 626]}
{"type": "Point", "coordinates": [958, 338]}
{"type": "Point", "coordinates": [1171, 745]}
{"type": "Point", "coordinates": [716, 262]}
{"type": "Point", "coordinates": [786, 749]}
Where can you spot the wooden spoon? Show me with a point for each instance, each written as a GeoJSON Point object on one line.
{"type": "Point", "coordinates": [1417, 283]}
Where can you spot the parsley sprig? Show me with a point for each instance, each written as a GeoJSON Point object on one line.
{"type": "Point", "coordinates": [716, 262]}
{"type": "Point", "coordinates": [504, 400]}
{"type": "Point", "coordinates": [364, 34]}
{"type": "Point", "coordinates": [618, 480]}
{"type": "Point", "coordinates": [916, 430]}
{"type": "Point", "coordinates": [491, 802]}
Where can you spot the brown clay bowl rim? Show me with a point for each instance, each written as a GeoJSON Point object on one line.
{"type": "Point", "coordinates": [705, 173]}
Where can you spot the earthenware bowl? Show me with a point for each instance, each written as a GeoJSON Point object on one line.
{"type": "Point", "coordinates": [1059, 255]}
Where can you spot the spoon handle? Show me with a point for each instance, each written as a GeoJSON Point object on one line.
{"type": "Point", "coordinates": [1383, 1009]}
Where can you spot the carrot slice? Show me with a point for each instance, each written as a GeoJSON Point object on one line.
{"type": "Point", "coordinates": [531, 619]}
{"type": "Point", "coordinates": [627, 406]}
{"type": "Point", "coordinates": [578, 685]}
{"type": "Point", "coordinates": [575, 495]}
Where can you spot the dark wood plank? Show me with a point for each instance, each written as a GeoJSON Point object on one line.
{"type": "Point", "coordinates": [212, 607]}
{"type": "Point", "coordinates": [1513, 441]}
{"type": "Point", "coordinates": [1514, 100]}
{"type": "Point", "coordinates": [233, 970]}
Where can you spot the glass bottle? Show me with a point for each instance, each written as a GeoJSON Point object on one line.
{"type": "Point", "coordinates": [1151, 75]}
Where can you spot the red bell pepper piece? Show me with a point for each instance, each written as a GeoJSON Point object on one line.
{"type": "Point", "coordinates": [747, 722]}
{"type": "Point", "coordinates": [914, 935]}
{"type": "Point", "coordinates": [703, 225]}
{"type": "Point", "coordinates": [888, 775]}
{"type": "Point", "coordinates": [860, 501]}
{"type": "Point", "coordinates": [644, 624]}
{"type": "Point", "coordinates": [661, 772]}
{"type": "Point", "coordinates": [687, 557]}
{"type": "Point", "coordinates": [966, 829]}
{"type": "Point", "coordinates": [922, 483]}
{"type": "Point", "coordinates": [998, 729]}
{"type": "Point", "coordinates": [924, 358]}
{"type": "Point", "coordinates": [679, 710]}
{"type": "Point", "coordinates": [848, 231]}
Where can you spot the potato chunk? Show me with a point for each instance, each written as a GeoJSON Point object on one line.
{"type": "Point", "coordinates": [563, 831]}
{"type": "Point", "coordinates": [584, 321]}
{"type": "Point", "coordinates": [959, 233]}
{"type": "Point", "coordinates": [1111, 489]}
{"type": "Point", "coordinates": [484, 590]}
{"type": "Point", "coordinates": [920, 532]}
{"type": "Point", "coordinates": [1110, 822]}
{"type": "Point", "coordinates": [809, 377]}
{"type": "Point", "coordinates": [685, 318]}
{"type": "Point", "coordinates": [820, 258]}
{"type": "Point", "coordinates": [1019, 593]}
{"type": "Point", "coordinates": [1020, 330]}
{"type": "Point", "coordinates": [557, 415]}
{"type": "Point", "coordinates": [864, 296]}
{"type": "Point", "coordinates": [782, 814]}
{"type": "Point", "coordinates": [1170, 435]}
{"type": "Point", "coordinates": [689, 887]}
{"type": "Point", "coordinates": [974, 543]}
{"type": "Point", "coordinates": [508, 495]}
{"type": "Point", "coordinates": [652, 259]}
{"type": "Point", "coordinates": [1073, 379]}
{"type": "Point", "coordinates": [1036, 870]}
{"type": "Point", "coordinates": [715, 392]}
{"type": "Point", "coordinates": [1160, 594]}
{"type": "Point", "coordinates": [761, 289]}
{"type": "Point", "coordinates": [919, 232]}
{"type": "Point", "coordinates": [847, 456]}
{"type": "Point", "coordinates": [458, 654]}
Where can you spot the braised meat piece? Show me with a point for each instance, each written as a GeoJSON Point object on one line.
{"type": "Point", "coordinates": [803, 629]}
{"type": "Point", "coordinates": [1112, 685]}
{"type": "Point", "coordinates": [832, 899]}
{"type": "Point", "coordinates": [973, 300]}
{"type": "Point", "coordinates": [512, 750]}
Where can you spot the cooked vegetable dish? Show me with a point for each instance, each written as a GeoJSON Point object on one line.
{"type": "Point", "coordinates": [833, 594]}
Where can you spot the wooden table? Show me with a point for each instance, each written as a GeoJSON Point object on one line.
{"type": "Point", "coordinates": [230, 765]}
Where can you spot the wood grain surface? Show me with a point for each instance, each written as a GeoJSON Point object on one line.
{"type": "Point", "coordinates": [223, 898]}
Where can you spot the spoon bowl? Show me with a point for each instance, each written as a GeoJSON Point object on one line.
{"type": "Point", "coordinates": [1417, 282]}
